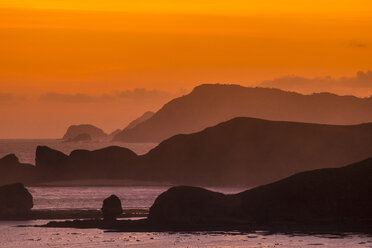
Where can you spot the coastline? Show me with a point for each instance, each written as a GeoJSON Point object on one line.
{"type": "Point", "coordinates": [99, 183]}
{"type": "Point", "coordinates": [145, 225]}
{"type": "Point", "coordinates": [65, 214]}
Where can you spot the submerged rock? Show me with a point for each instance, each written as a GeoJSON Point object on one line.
{"type": "Point", "coordinates": [15, 201]}
{"type": "Point", "coordinates": [111, 208]}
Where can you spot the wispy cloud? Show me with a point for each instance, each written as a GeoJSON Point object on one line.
{"type": "Point", "coordinates": [11, 99]}
{"type": "Point", "coordinates": [145, 94]}
{"type": "Point", "coordinates": [76, 98]}
{"type": "Point", "coordinates": [6, 98]}
{"type": "Point", "coordinates": [360, 84]}
{"type": "Point", "coordinates": [358, 44]}
{"type": "Point", "coordinates": [138, 94]}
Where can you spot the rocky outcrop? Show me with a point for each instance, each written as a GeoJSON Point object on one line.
{"type": "Point", "coordinates": [242, 151]}
{"type": "Point", "coordinates": [15, 201]}
{"type": "Point", "coordinates": [81, 132]}
{"type": "Point", "coordinates": [336, 195]}
{"type": "Point", "coordinates": [111, 162]}
{"type": "Point", "coordinates": [12, 171]}
{"type": "Point", "coordinates": [191, 205]}
{"type": "Point", "coordinates": [50, 163]}
{"type": "Point", "coordinates": [208, 105]}
{"type": "Point", "coordinates": [111, 208]}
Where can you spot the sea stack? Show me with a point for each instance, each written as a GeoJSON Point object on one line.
{"type": "Point", "coordinates": [111, 208]}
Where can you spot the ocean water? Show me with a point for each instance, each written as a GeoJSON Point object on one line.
{"type": "Point", "coordinates": [89, 197]}
{"type": "Point", "coordinates": [12, 236]}
{"type": "Point", "coordinates": [139, 196]}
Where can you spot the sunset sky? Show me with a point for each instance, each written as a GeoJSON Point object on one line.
{"type": "Point", "coordinates": [66, 62]}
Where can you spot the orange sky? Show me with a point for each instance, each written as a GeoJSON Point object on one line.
{"type": "Point", "coordinates": [101, 48]}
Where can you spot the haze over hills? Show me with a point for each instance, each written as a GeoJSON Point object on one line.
{"type": "Point", "coordinates": [139, 120]}
{"type": "Point", "coordinates": [210, 104]}
{"type": "Point", "coordinates": [84, 132]}
{"type": "Point", "coordinates": [88, 132]}
{"type": "Point", "coordinates": [241, 151]}
{"type": "Point", "coordinates": [251, 151]}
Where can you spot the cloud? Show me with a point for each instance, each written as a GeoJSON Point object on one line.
{"type": "Point", "coordinates": [138, 95]}
{"type": "Point", "coordinates": [76, 98]}
{"type": "Point", "coordinates": [11, 99]}
{"type": "Point", "coordinates": [148, 95]}
{"type": "Point", "coordinates": [6, 98]}
{"type": "Point", "coordinates": [358, 44]}
{"type": "Point", "coordinates": [359, 85]}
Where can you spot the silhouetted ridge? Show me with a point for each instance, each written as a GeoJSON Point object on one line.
{"type": "Point", "coordinates": [139, 120]}
{"type": "Point", "coordinates": [338, 195]}
{"type": "Point", "coordinates": [253, 151]}
{"type": "Point", "coordinates": [241, 151]}
{"type": "Point", "coordinates": [110, 162]}
{"type": "Point", "coordinates": [210, 104]}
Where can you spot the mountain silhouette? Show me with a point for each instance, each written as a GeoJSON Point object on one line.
{"type": "Point", "coordinates": [139, 120]}
{"type": "Point", "coordinates": [210, 104]}
{"type": "Point", "coordinates": [241, 151]}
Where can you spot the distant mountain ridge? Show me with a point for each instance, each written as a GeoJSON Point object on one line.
{"type": "Point", "coordinates": [88, 132]}
{"type": "Point", "coordinates": [241, 151]}
{"type": "Point", "coordinates": [210, 104]}
{"type": "Point", "coordinates": [147, 115]}
{"type": "Point", "coordinates": [250, 151]}
{"type": "Point", "coordinates": [338, 196]}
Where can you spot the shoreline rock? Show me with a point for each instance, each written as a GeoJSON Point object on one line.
{"type": "Point", "coordinates": [325, 199]}
{"type": "Point", "coordinates": [15, 201]}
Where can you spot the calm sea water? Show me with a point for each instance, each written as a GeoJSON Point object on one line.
{"type": "Point", "coordinates": [132, 197]}
{"type": "Point", "coordinates": [12, 236]}
{"type": "Point", "coordinates": [92, 197]}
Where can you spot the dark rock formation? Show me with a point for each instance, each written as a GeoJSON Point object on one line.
{"type": "Point", "coordinates": [12, 171]}
{"type": "Point", "coordinates": [338, 195]}
{"type": "Point", "coordinates": [74, 131]}
{"type": "Point", "coordinates": [111, 162]}
{"type": "Point", "coordinates": [208, 105]}
{"type": "Point", "coordinates": [139, 120]}
{"type": "Point", "coordinates": [80, 138]}
{"type": "Point", "coordinates": [242, 151]}
{"type": "Point", "coordinates": [111, 208]}
{"type": "Point", "coordinates": [50, 163]}
{"type": "Point", "coordinates": [15, 201]}
{"type": "Point", "coordinates": [190, 205]}
{"type": "Point", "coordinates": [246, 151]}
